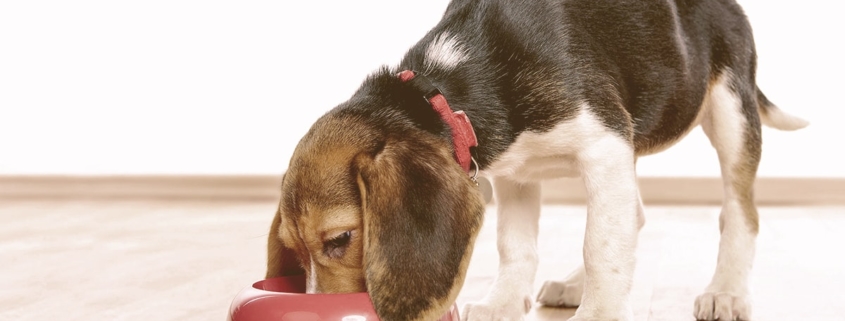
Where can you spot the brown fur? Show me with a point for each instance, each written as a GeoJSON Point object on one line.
{"type": "Point", "coordinates": [279, 262]}
{"type": "Point", "coordinates": [743, 174]}
{"type": "Point", "coordinates": [413, 213]}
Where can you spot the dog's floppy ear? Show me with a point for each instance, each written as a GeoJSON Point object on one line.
{"type": "Point", "coordinates": [281, 261]}
{"type": "Point", "coordinates": [421, 216]}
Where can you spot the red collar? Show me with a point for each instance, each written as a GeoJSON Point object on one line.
{"type": "Point", "coordinates": [463, 136]}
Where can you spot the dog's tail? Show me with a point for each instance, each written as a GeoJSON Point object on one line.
{"type": "Point", "coordinates": [774, 117]}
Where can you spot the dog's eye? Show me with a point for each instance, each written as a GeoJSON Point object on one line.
{"type": "Point", "coordinates": [340, 240]}
{"type": "Point", "coordinates": [335, 247]}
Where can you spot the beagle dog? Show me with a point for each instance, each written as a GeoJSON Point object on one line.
{"type": "Point", "coordinates": [380, 194]}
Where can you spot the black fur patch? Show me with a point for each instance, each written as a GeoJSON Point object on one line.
{"type": "Point", "coordinates": [642, 66]}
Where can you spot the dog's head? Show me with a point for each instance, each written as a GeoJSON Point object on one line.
{"type": "Point", "coordinates": [369, 203]}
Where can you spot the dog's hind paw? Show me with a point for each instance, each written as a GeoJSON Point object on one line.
{"type": "Point", "coordinates": [561, 294]}
{"type": "Point", "coordinates": [722, 306]}
{"type": "Point", "coordinates": [566, 293]}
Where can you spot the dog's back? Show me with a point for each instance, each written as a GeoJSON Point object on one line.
{"type": "Point", "coordinates": [533, 63]}
{"type": "Point", "coordinates": [661, 56]}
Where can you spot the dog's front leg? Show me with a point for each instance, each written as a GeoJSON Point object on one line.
{"type": "Point", "coordinates": [609, 176]}
{"type": "Point", "coordinates": [518, 217]}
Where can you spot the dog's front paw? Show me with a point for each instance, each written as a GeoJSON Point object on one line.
{"type": "Point", "coordinates": [561, 294]}
{"type": "Point", "coordinates": [722, 306]}
{"type": "Point", "coordinates": [507, 311]}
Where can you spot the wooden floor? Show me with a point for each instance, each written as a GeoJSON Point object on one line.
{"type": "Point", "coordinates": [185, 260]}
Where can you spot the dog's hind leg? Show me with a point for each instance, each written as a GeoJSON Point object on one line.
{"type": "Point", "coordinates": [732, 124]}
{"type": "Point", "coordinates": [517, 227]}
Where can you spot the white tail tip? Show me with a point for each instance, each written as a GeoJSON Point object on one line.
{"type": "Point", "coordinates": [776, 118]}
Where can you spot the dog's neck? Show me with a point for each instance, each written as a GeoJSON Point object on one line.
{"type": "Point", "coordinates": [462, 133]}
{"type": "Point", "coordinates": [469, 83]}
{"type": "Point", "coordinates": [466, 87]}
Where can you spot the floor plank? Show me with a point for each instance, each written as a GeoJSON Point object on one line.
{"type": "Point", "coordinates": [185, 260]}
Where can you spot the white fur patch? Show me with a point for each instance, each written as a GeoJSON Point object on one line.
{"type": "Point", "coordinates": [517, 227]}
{"type": "Point", "coordinates": [312, 278]}
{"type": "Point", "coordinates": [569, 292]}
{"type": "Point", "coordinates": [606, 162]}
{"type": "Point", "coordinates": [724, 123]}
{"type": "Point", "coordinates": [552, 154]}
{"type": "Point", "coordinates": [728, 297]}
{"type": "Point", "coordinates": [776, 118]}
{"type": "Point", "coordinates": [607, 167]}
{"type": "Point", "coordinates": [444, 52]}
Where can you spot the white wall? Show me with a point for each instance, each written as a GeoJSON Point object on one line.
{"type": "Point", "coordinates": [229, 87]}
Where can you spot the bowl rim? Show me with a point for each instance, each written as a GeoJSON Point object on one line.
{"type": "Point", "coordinates": [258, 286]}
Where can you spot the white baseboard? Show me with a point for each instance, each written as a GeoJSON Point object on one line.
{"type": "Point", "coordinates": [708, 191]}
{"type": "Point", "coordinates": [258, 187]}
{"type": "Point", "coordinates": [654, 190]}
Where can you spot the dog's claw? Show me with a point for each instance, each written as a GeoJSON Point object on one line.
{"type": "Point", "coordinates": [722, 306]}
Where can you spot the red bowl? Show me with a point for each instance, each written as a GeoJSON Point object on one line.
{"type": "Point", "coordinates": [284, 299]}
